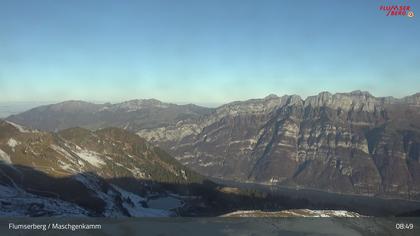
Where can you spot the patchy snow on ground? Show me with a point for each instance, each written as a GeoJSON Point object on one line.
{"type": "Point", "coordinates": [62, 151]}
{"type": "Point", "coordinates": [138, 173]}
{"type": "Point", "coordinates": [66, 166]}
{"type": "Point", "coordinates": [92, 158]}
{"type": "Point", "coordinates": [5, 157]}
{"type": "Point", "coordinates": [18, 203]}
{"type": "Point", "coordinates": [184, 175]}
{"type": "Point", "coordinates": [12, 143]}
{"type": "Point", "coordinates": [93, 184]}
{"type": "Point", "coordinates": [70, 161]}
{"type": "Point", "coordinates": [206, 164]}
{"type": "Point", "coordinates": [20, 128]}
{"type": "Point", "coordinates": [133, 204]}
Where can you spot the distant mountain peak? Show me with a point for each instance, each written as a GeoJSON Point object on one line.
{"type": "Point", "coordinates": [138, 104]}
{"type": "Point", "coordinates": [72, 106]}
{"type": "Point", "coordinates": [361, 93]}
{"type": "Point", "coordinates": [271, 96]}
{"type": "Point", "coordinates": [72, 103]}
{"type": "Point", "coordinates": [144, 101]}
{"type": "Point", "coordinates": [324, 93]}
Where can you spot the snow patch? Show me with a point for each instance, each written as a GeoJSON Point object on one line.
{"type": "Point", "coordinates": [184, 175]}
{"type": "Point", "coordinates": [66, 166]}
{"type": "Point", "coordinates": [92, 158]}
{"type": "Point", "coordinates": [69, 157]}
{"type": "Point", "coordinates": [138, 173]}
{"type": "Point", "coordinates": [12, 143]}
{"type": "Point", "coordinates": [18, 203]}
{"type": "Point", "coordinates": [92, 183]}
{"type": "Point", "coordinates": [62, 151]}
{"type": "Point", "coordinates": [5, 157]}
{"type": "Point", "coordinates": [206, 164]}
{"type": "Point", "coordinates": [20, 128]}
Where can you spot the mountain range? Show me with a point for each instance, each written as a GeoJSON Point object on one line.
{"type": "Point", "coordinates": [351, 143]}
{"type": "Point", "coordinates": [131, 115]}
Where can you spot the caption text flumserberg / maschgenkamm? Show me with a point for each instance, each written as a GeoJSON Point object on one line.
{"type": "Point", "coordinates": [54, 226]}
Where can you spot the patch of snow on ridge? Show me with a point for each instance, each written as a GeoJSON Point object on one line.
{"type": "Point", "coordinates": [5, 157]}
{"type": "Point", "coordinates": [184, 175]}
{"type": "Point", "coordinates": [138, 173]}
{"type": "Point", "coordinates": [206, 164]}
{"type": "Point", "coordinates": [19, 127]}
{"type": "Point", "coordinates": [66, 166]}
{"type": "Point", "coordinates": [12, 142]}
{"type": "Point", "coordinates": [62, 151]}
{"type": "Point", "coordinates": [69, 157]}
{"type": "Point", "coordinates": [92, 158]}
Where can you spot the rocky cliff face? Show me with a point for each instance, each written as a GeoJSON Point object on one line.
{"type": "Point", "coordinates": [345, 142]}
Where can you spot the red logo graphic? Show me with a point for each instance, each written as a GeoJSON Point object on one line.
{"type": "Point", "coordinates": [397, 10]}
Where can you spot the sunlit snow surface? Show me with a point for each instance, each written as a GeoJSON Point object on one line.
{"type": "Point", "coordinates": [90, 157]}
{"type": "Point", "coordinates": [294, 213]}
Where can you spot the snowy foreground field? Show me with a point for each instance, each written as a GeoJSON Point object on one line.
{"type": "Point", "coordinates": [294, 213]}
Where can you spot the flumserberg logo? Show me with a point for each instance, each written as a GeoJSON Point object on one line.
{"type": "Point", "coordinates": [397, 10]}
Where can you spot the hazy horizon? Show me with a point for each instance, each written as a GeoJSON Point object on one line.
{"type": "Point", "coordinates": [203, 52]}
{"type": "Point", "coordinates": [16, 107]}
{"type": "Point", "coordinates": [209, 104]}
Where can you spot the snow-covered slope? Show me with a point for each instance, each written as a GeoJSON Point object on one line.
{"type": "Point", "coordinates": [294, 213]}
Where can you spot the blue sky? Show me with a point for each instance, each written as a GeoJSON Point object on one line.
{"type": "Point", "coordinates": [205, 52]}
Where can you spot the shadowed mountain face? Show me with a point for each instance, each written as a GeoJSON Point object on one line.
{"type": "Point", "coordinates": [346, 142]}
